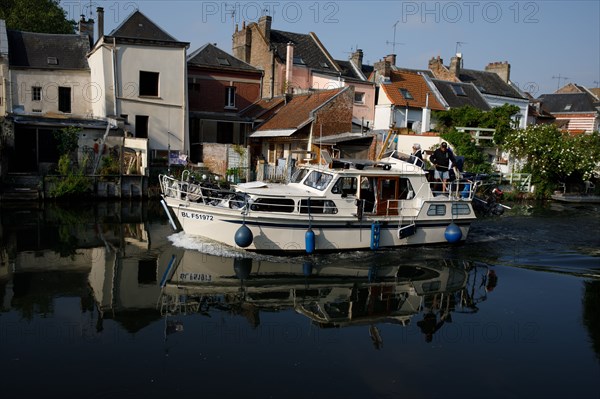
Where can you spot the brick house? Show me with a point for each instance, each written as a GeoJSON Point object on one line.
{"type": "Point", "coordinates": [298, 63]}
{"type": "Point", "coordinates": [297, 122]}
{"type": "Point", "coordinates": [220, 86]}
{"type": "Point", "coordinates": [493, 83]}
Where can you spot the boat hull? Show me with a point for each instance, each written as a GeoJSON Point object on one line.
{"type": "Point", "coordinates": [287, 233]}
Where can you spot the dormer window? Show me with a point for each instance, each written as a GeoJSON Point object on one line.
{"type": "Point", "coordinates": [324, 65]}
{"type": "Point", "coordinates": [458, 90]}
{"type": "Point", "coordinates": [223, 61]}
{"type": "Point", "coordinates": [568, 107]}
{"type": "Point", "coordinates": [52, 61]}
{"type": "Point", "coordinates": [406, 94]}
{"type": "Point", "coordinates": [299, 61]}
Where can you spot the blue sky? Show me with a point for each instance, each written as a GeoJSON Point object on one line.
{"type": "Point", "coordinates": [542, 40]}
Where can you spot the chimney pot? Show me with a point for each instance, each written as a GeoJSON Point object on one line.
{"type": "Point", "coordinates": [100, 12]}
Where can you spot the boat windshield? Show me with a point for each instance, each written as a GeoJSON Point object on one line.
{"type": "Point", "coordinates": [298, 175]}
{"type": "Point", "coordinates": [318, 180]}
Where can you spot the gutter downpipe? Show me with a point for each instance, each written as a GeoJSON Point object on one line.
{"type": "Point", "coordinates": [115, 80]}
{"type": "Point", "coordinates": [272, 90]}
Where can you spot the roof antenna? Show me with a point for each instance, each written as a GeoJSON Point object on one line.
{"type": "Point", "coordinates": [394, 42]}
{"type": "Point", "coordinates": [559, 79]}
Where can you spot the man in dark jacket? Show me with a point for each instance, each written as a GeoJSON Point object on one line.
{"type": "Point", "coordinates": [441, 159]}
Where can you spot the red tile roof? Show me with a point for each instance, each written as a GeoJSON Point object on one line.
{"type": "Point", "coordinates": [416, 86]}
{"type": "Point", "coordinates": [296, 113]}
{"type": "Point", "coordinates": [263, 108]}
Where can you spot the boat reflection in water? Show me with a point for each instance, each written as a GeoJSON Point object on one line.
{"type": "Point", "coordinates": [332, 296]}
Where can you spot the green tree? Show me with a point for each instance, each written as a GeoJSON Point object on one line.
{"type": "Point", "coordinates": [45, 16]}
{"type": "Point", "coordinates": [552, 156]}
{"type": "Point", "coordinates": [464, 145]}
{"type": "Point", "coordinates": [499, 118]}
{"type": "Point", "coordinates": [67, 138]}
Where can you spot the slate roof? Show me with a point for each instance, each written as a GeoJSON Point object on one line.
{"type": "Point", "coordinates": [488, 83]}
{"type": "Point", "coordinates": [296, 113]}
{"type": "Point", "coordinates": [569, 102]}
{"type": "Point", "coordinates": [305, 48]}
{"type": "Point", "coordinates": [348, 70]}
{"type": "Point", "coordinates": [138, 26]}
{"type": "Point", "coordinates": [454, 97]}
{"type": "Point", "coordinates": [416, 86]}
{"type": "Point", "coordinates": [210, 55]}
{"type": "Point", "coordinates": [33, 50]}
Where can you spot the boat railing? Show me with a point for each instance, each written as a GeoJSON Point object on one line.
{"type": "Point", "coordinates": [202, 192]}
{"type": "Point", "coordinates": [457, 189]}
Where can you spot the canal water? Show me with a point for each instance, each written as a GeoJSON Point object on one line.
{"type": "Point", "coordinates": [105, 300]}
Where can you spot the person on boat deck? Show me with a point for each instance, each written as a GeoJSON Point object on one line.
{"type": "Point", "coordinates": [441, 159]}
{"type": "Point", "coordinates": [417, 154]}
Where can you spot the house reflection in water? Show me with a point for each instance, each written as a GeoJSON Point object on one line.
{"type": "Point", "coordinates": [115, 260]}
{"type": "Point", "coordinates": [103, 255]}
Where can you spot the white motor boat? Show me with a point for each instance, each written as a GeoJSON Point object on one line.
{"type": "Point", "coordinates": [347, 205]}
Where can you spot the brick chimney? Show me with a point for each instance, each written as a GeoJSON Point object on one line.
{"type": "Point", "coordinates": [289, 65]}
{"type": "Point", "coordinates": [502, 69]}
{"type": "Point", "coordinates": [86, 28]}
{"type": "Point", "coordinates": [435, 64]}
{"type": "Point", "coordinates": [455, 64]}
{"type": "Point", "coordinates": [391, 58]}
{"type": "Point", "coordinates": [100, 12]}
{"type": "Point", "coordinates": [357, 58]}
{"type": "Point", "coordinates": [383, 68]}
{"type": "Point", "coordinates": [264, 25]}
{"type": "Point", "coordinates": [439, 70]}
{"type": "Point", "coordinates": [242, 43]}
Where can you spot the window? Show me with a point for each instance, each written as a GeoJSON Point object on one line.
{"type": "Point", "coordinates": [276, 151]}
{"type": "Point", "coordinates": [436, 210]}
{"type": "Point", "coordinates": [223, 61]}
{"type": "Point", "coordinates": [324, 65]}
{"type": "Point", "coordinates": [149, 84]}
{"type": "Point", "coordinates": [273, 205]}
{"type": "Point", "coordinates": [318, 180]}
{"type": "Point", "coordinates": [461, 209]}
{"type": "Point", "coordinates": [298, 175]}
{"type": "Point", "coordinates": [141, 126]}
{"type": "Point", "coordinates": [36, 93]}
{"type": "Point", "coordinates": [125, 119]}
{"type": "Point", "coordinates": [52, 61]}
{"type": "Point", "coordinates": [299, 61]}
{"type": "Point", "coordinates": [230, 97]}
{"type": "Point", "coordinates": [147, 271]}
{"type": "Point", "coordinates": [359, 97]}
{"type": "Point", "coordinates": [345, 186]}
{"type": "Point", "coordinates": [458, 90]}
{"type": "Point", "coordinates": [318, 206]}
{"type": "Point", "coordinates": [64, 99]}
{"type": "Point", "coordinates": [406, 94]}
